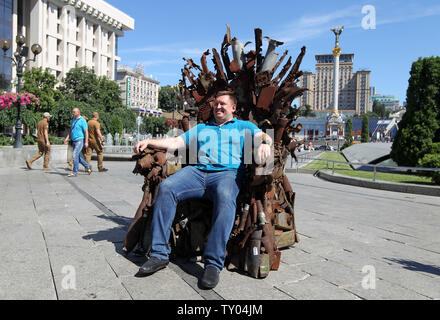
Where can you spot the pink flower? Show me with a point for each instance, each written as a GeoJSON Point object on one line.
{"type": "Point", "coordinates": [9, 99]}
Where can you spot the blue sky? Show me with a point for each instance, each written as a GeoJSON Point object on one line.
{"type": "Point", "coordinates": [166, 31]}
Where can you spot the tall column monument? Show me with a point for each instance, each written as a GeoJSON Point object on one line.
{"type": "Point", "coordinates": [336, 53]}
{"type": "Point", "coordinates": [335, 123]}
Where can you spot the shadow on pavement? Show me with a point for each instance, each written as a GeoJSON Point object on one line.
{"type": "Point", "coordinates": [116, 236]}
{"type": "Point", "coordinates": [416, 266]}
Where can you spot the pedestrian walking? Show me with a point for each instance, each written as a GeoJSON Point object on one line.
{"type": "Point", "coordinates": [96, 141]}
{"type": "Point", "coordinates": [79, 136]}
{"type": "Point", "coordinates": [70, 152]}
{"type": "Point", "coordinates": [43, 143]}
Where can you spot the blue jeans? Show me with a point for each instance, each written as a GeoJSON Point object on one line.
{"type": "Point", "coordinates": [221, 188]}
{"type": "Point", "coordinates": [77, 156]}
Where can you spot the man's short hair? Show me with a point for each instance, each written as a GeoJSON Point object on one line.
{"type": "Point", "coordinates": [95, 115]}
{"type": "Point", "coordinates": [229, 93]}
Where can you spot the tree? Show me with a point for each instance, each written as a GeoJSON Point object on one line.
{"type": "Point", "coordinates": [168, 100]}
{"type": "Point", "coordinates": [348, 136]}
{"type": "Point", "coordinates": [108, 96]}
{"type": "Point", "coordinates": [365, 135]}
{"type": "Point", "coordinates": [81, 85]}
{"type": "Point", "coordinates": [62, 114]}
{"type": "Point", "coordinates": [29, 117]}
{"type": "Point", "coordinates": [42, 84]}
{"type": "Point", "coordinates": [379, 110]}
{"type": "Point", "coordinates": [419, 128]}
{"type": "Point", "coordinates": [116, 125]}
{"type": "Point", "coordinates": [127, 117]}
{"type": "Point", "coordinates": [307, 112]}
{"type": "Point", "coordinates": [153, 125]}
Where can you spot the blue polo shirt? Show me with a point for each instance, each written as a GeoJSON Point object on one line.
{"type": "Point", "coordinates": [218, 148]}
{"type": "Point", "coordinates": [78, 126]}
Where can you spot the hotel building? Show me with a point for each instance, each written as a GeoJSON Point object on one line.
{"type": "Point", "coordinates": [140, 93]}
{"type": "Point", "coordinates": [354, 88]}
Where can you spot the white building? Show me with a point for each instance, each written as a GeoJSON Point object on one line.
{"type": "Point", "coordinates": [72, 33]}
{"type": "Point", "coordinates": [139, 92]}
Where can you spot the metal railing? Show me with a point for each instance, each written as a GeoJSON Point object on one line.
{"type": "Point", "coordinates": [403, 170]}
{"type": "Point", "coordinates": [118, 149]}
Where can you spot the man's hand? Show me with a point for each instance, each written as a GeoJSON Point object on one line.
{"type": "Point", "coordinates": [169, 144]}
{"type": "Point", "coordinates": [141, 146]}
{"type": "Point", "coordinates": [66, 141]}
{"type": "Point", "coordinates": [264, 151]}
{"type": "Point", "coordinates": [86, 144]}
{"type": "Point", "coordinates": [48, 144]}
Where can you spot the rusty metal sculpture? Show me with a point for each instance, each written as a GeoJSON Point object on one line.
{"type": "Point", "coordinates": [265, 217]}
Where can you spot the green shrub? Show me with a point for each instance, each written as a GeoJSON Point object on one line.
{"type": "Point", "coordinates": [28, 140]}
{"type": "Point", "coordinates": [5, 140]}
{"type": "Point", "coordinates": [365, 135]}
{"type": "Point", "coordinates": [56, 140]}
{"type": "Point", "coordinates": [346, 145]}
{"type": "Point", "coordinates": [116, 125]}
{"type": "Point", "coordinates": [432, 160]}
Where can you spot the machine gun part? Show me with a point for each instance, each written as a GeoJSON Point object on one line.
{"type": "Point", "coordinates": [283, 71]}
{"type": "Point", "coordinates": [238, 51]}
{"type": "Point", "coordinates": [244, 217]}
{"type": "Point", "coordinates": [258, 44]}
{"type": "Point", "coordinates": [192, 64]}
{"type": "Point", "coordinates": [224, 53]}
{"type": "Point", "coordinates": [266, 96]}
{"type": "Point", "coordinates": [218, 66]}
{"type": "Point", "coordinates": [279, 62]}
{"type": "Point", "coordinates": [293, 72]}
{"type": "Point", "coordinates": [271, 57]}
{"type": "Point", "coordinates": [262, 79]}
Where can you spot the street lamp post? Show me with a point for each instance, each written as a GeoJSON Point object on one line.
{"type": "Point", "coordinates": [138, 122]}
{"type": "Point", "coordinates": [18, 59]}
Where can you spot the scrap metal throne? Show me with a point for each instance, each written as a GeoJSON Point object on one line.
{"type": "Point", "coordinates": [265, 216]}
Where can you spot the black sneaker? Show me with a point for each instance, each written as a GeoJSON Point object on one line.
{"type": "Point", "coordinates": [103, 170]}
{"type": "Point", "coordinates": [210, 277]}
{"type": "Point", "coordinates": [151, 266]}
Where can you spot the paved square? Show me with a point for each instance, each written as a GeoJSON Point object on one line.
{"type": "Point", "coordinates": [61, 238]}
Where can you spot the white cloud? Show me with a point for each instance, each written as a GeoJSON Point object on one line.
{"type": "Point", "coordinates": [413, 14]}
{"type": "Point", "coordinates": [155, 62]}
{"type": "Point", "coordinates": [311, 26]}
{"type": "Point", "coordinates": [171, 48]}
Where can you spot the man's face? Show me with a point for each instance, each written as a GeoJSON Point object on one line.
{"type": "Point", "coordinates": [75, 112]}
{"type": "Point", "coordinates": [223, 109]}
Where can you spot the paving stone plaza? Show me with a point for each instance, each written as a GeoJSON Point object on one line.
{"type": "Point", "coordinates": [61, 238]}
